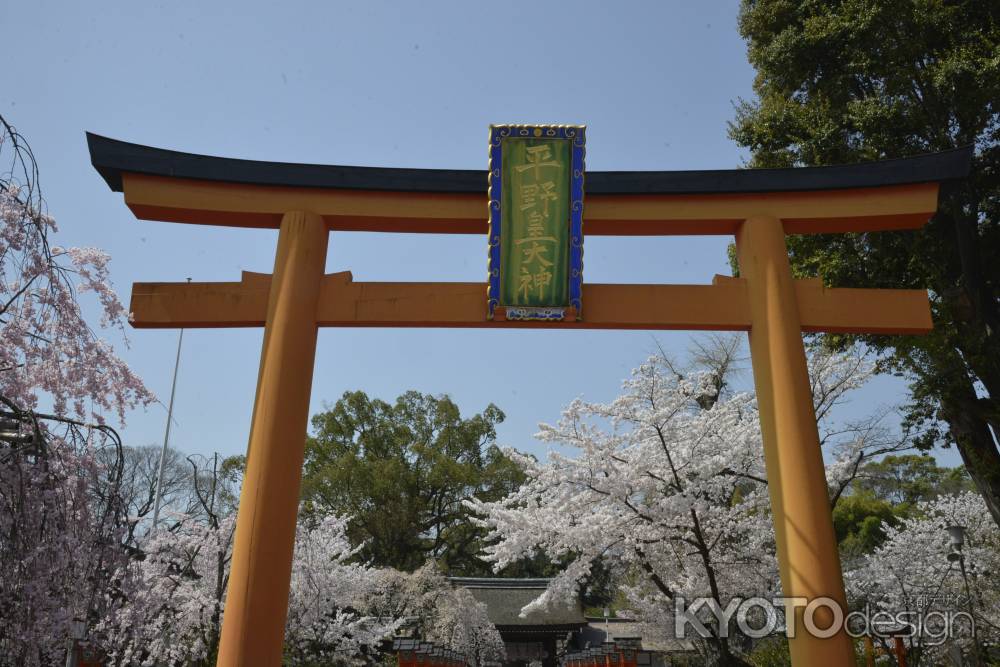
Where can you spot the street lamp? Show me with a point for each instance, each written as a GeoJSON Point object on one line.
{"type": "Point", "coordinates": [956, 534]}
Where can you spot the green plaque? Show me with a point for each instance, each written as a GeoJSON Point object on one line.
{"type": "Point", "coordinates": [535, 222]}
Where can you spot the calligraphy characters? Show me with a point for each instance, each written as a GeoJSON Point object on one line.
{"type": "Point", "coordinates": [536, 221]}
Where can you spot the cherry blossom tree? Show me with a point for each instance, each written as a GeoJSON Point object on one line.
{"type": "Point", "coordinates": [48, 351]}
{"type": "Point", "coordinates": [439, 612]}
{"type": "Point", "coordinates": [165, 605]}
{"type": "Point", "coordinates": [173, 600]}
{"type": "Point", "coordinates": [330, 615]}
{"type": "Point", "coordinates": [912, 580]}
{"type": "Point", "coordinates": [168, 605]}
{"type": "Point", "coordinates": [61, 516]}
{"type": "Point", "coordinates": [666, 486]}
{"type": "Point", "coordinates": [59, 542]}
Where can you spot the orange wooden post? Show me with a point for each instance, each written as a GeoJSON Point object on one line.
{"type": "Point", "coordinates": [900, 651]}
{"type": "Point", "coordinates": [630, 651]}
{"type": "Point", "coordinates": [424, 654]}
{"type": "Point", "coordinates": [807, 547]}
{"type": "Point", "coordinates": [869, 652]}
{"type": "Point", "coordinates": [253, 627]}
{"type": "Point", "coordinates": [405, 647]}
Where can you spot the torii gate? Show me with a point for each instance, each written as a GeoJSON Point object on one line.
{"type": "Point", "coordinates": [305, 202]}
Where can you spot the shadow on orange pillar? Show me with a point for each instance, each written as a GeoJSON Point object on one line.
{"type": "Point", "coordinates": [800, 504]}
{"type": "Point", "coordinates": [256, 604]}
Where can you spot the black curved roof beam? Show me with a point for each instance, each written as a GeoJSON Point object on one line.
{"type": "Point", "coordinates": [170, 185]}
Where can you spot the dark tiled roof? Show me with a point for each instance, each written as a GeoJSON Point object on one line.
{"type": "Point", "coordinates": [504, 599]}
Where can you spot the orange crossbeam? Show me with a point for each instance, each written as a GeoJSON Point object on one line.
{"type": "Point", "coordinates": [722, 305]}
{"type": "Point", "coordinates": [241, 205]}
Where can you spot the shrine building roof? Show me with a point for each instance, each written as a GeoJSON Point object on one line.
{"type": "Point", "coordinates": [504, 599]}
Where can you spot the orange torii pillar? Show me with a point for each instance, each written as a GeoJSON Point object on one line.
{"type": "Point", "coordinates": [269, 499]}
{"type": "Point", "coordinates": [305, 202]}
{"type": "Point", "coordinates": [793, 459]}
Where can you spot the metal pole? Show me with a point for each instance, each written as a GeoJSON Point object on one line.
{"type": "Point", "coordinates": [78, 630]}
{"type": "Point", "coordinates": [972, 612]}
{"type": "Point", "coordinates": [166, 436]}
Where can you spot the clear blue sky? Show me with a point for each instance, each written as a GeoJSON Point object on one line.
{"type": "Point", "coordinates": [400, 84]}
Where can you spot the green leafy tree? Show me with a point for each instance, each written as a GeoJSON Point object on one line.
{"type": "Point", "coordinates": [907, 479]}
{"type": "Point", "coordinates": [888, 490]}
{"type": "Point", "coordinates": [840, 81]}
{"type": "Point", "coordinates": [402, 471]}
{"type": "Point", "coordinates": [858, 521]}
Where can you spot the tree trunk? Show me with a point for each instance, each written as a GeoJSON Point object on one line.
{"type": "Point", "coordinates": [969, 416]}
{"type": "Point", "coordinates": [970, 428]}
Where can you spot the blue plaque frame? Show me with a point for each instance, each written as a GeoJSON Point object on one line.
{"type": "Point", "coordinates": [577, 134]}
